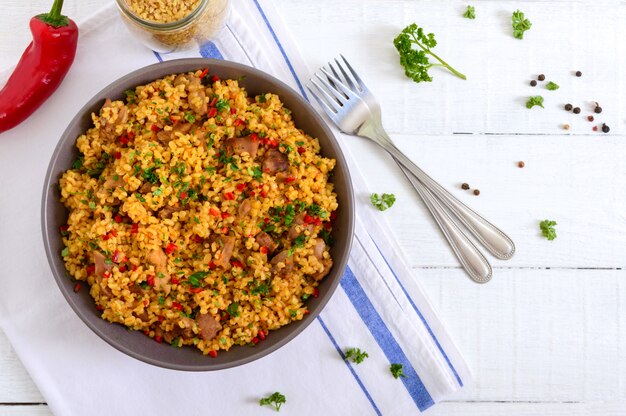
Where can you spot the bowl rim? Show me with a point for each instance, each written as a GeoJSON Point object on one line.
{"type": "Point", "coordinates": [193, 64]}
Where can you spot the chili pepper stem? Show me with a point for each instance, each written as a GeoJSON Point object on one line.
{"type": "Point", "coordinates": [54, 17]}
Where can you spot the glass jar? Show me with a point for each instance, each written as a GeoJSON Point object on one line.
{"type": "Point", "coordinates": [190, 31]}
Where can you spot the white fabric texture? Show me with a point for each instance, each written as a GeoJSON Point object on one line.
{"type": "Point", "coordinates": [378, 306]}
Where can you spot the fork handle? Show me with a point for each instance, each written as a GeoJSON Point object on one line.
{"type": "Point", "coordinates": [494, 239]}
{"type": "Point", "coordinates": [472, 260]}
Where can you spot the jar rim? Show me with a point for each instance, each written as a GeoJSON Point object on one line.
{"type": "Point", "coordinates": [149, 24]}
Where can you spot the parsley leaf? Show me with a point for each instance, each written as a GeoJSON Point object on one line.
{"type": "Point", "coordinates": [222, 105]}
{"type": "Point", "coordinates": [470, 13]}
{"type": "Point", "coordinates": [520, 25]}
{"type": "Point", "coordinates": [552, 86]}
{"type": "Point", "coordinates": [196, 279]}
{"type": "Point", "coordinates": [275, 400]}
{"type": "Point", "coordinates": [233, 309]}
{"type": "Point", "coordinates": [356, 355]}
{"type": "Point", "coordinates": [547, 229]}
{"type": "Point", "coordinates": [383, 202]}
{"type": "Point", "coordinates": [78, 163]}
{"type": "Point", "coordinates": [397, 371]}
{"type": "Point", "coordinates": [65, 252]}
{"type": "Point", "coordinates": [415, 62]}
{"type": "Point", "coordinates": [533, 101]}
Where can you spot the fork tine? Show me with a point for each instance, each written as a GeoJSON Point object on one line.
{"type": "Point", "coordinates": [348, 79]}
{"type": "Point", "coordinates": [336, 74]}
{"type": "Point", "coordinates": [353, 72]}
{"type": "Point", "coordinates": [332, 89]}
{"type": "Point", "coordinates": [341, 85]}
{"type": "Point", "coordinates": [323, 97]}
{"type": "Point", "coordinates": [329, 111]}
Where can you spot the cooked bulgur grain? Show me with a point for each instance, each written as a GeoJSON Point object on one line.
{"type": "Point", "coordinates": [192, 216]}
{"type": "Point", "coordinates": [162, 11]}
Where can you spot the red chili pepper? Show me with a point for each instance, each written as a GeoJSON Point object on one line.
{"type": "Point", "coordinates": [124, 140]}
{"type": "Point", "coordinates": [264, 250]}
{"type": "Point", "coordinates": [170, 248]}
{"type": "Point", "coordinates": [261, 335]}
{"type": "Point", "coordinates": [213, 353]}
{"type": "Point", "coordinates": [154, 128]}
{"type": "Point", "coordinates": [225, 215]}
{"type": "Point", "coordinates": [158, 338]}
{"type": "Point", "coordinates": [236, 263]}
{"type": "Point", "coordinates": [229, 196]}
{"type": "Point", "coordinates": [301, 150]}
{"type": "Point", "coordinates": [255, 340]}
{"type": "Point", "coordinates": [215, 78]}
{"type": "Point", "coordinates": [150, 280]}
{"type": "Point", "coordinates": [77, 287]}
{"type": "Point", "coordinates": [213, 102]}
{"type": "Point", "coordinates": [204, 73]}
{"type": "Point", "coordinates": [291, 179]}
{"type": "Point", "coordinates": [175, 281]}
{"type": "Point", "coordinates": [117, 218]}
{"type": "Point", "coordinates": [123, 269]}
{"type": "Point", "coordinates": [241, 186]}
{"type": "Point", "coordinates": [198, 239]}
{"type": "Point", "coordinates": [177, 306]}
{"type": "Point", "coordinates": [239, 122]}
{"type": "Point", "coordinates": [41, 68]}
{"type": "Point", "coordinates": [316, 292]}
{"type": "Point", "coordinates": [196, 289]}
{"type": "Point", "coordinates": [233, 111]}
{"type": "Point", "coordinates": [183, 195]}
{"type": "Point", "coordinates": [91, 269]}
{"type": "Point", "coordinates": [134, 229]}
{"type": "Point", "coordinates": [214, 211]}
{"type": "Point", "coordinates": [212, 265]}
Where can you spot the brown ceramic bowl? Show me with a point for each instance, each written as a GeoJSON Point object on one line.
{"type": "Point", "coordinates": [134, 343]}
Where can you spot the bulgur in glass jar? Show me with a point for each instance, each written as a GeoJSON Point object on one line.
{"type": "Point", "coordinates": [171, 25]}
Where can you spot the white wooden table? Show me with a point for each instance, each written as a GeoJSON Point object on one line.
{"type": "Point", "coordinates": [548, 334]}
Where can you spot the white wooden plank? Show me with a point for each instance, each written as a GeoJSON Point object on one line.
{"type": "Point", "coordinates": [26, 410]}
{"type": "Point", "coordinates": [616, 408]}
{"type": "Point", "coordinates": [536, 335]}
{"type": "Point", "coordinates": [16, 385]}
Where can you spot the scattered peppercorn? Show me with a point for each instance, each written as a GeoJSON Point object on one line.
{"type": "Point", "coordinates": [576, 110]}
{"type": "Point", "coordinates": [465, 186]}
{"type": "Point", "coordinates": [521, 164]}
{"type": "Point", "coordinates": [590, 118]}
{"type": "Point", "coordinates": [476, 192]}
{"type": "Point", "coordinates": [541, 77]}
{"type": "Point", "coordinates": [565, 126]}
{"type": "Point", "coordinates": [579, 74]}
{"type": "Point", "coordinates": [533, 83]}
{"type": "Point", "coordinates": [605, 128]}
{"type": "Point", "coordinates": [598, 109]}
{"type": "Point", "coordinates": [568, 107]}
{"type": "Point", "coordinates": [595, 128]}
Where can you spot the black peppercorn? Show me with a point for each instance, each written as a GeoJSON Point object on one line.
{"type": "Point", "coordinates": [597, 110]}
{"type": "Point", "coordinates": [568, 107]}
{"type": "Point", "coordinates": [476, 192]}
{"type": "Point", "coordinates": [605, 128]}
{"type": "Point", "coordinates": [579, 74]}
{"type": "Point", "coordinates": [533, 83]}
{"type": "Point", "coordinates": [465, 186]}
{"type": "Point", "coordinates": [576, 110]}
{"type": "Point", "coordinates": [541, 77]}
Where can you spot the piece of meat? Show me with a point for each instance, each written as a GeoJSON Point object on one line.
{"type": "Point", "coordinates": [264, 240]}
{"type": "Point", "coordinates": [167, 211]}
{"type": "Point", "coordinates": [275, 161]}
{"type": "Point", "coordinates": [112, 183]}
{"type": "Point", "coordinates": [136, 289]}
{"type": "Point", "coordinates": [282, 257]}
{"type": "Point", "coordinates": [208, 327]}
{"type": "Point", "coordinates": [109, 121]}
{"type": "Point", "coordinates": [166, 136]}
{"type": "Point", "coordinates": [328, 264]}
{"type": "Point", "coordinates": [158, 259]}
{"type": "Point", "coordinates": [177, 331]}
{"type": "Point", "coordinates": [227, 244]}
{"type": "Point", "coordinates": [244, 208]}
{"type": "Point", "coordinates": [318, 248]}
{"type": "Point", "coordinates": [196, 96]}
{"type": "Point", "coordinates": [298, 227]}
{"type": "Point", "coordinates": [101, 268]}
{"type": "Point", "coordinates": [145, 188]}
{"type": "Point", "coordinates": [239, 145]}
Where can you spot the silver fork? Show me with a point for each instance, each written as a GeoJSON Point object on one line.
{"type": "Point", "coordinates": [354, 109]}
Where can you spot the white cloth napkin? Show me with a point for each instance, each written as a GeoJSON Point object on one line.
{"type": "Point", "coordinates": [378, 307]}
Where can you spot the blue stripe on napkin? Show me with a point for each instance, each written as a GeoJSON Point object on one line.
{"type": "Point", "coordinates": [385, 339]}
{"type": "Point", "coordinates": [209, 50]}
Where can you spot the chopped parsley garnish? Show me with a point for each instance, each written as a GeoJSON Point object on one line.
{"type": "Point", "coordinates": [383, 202]}
{"type": "Point", "coordinates": [157, 192]}
{"type": "Point", "coordinates": [261, 289]}
{"type": "Point", "coordinates": [547, 229]}
{"type": "Point", "coordinates": [161, 300]}
{"type": "Point", "coordinates": [290, 214]}
{"type": "Point", "coordinates": [190, 117]}
{"type": "Point", "coordinates": [65, 252]}
{"type": "Point", "coordinates": [233, 309]}
{"type": "Point", "coordinates": [179, 168]}
{"type": "Point", "coordinates": [196, 279]}
{"type": "Point", "coordinates": [470, 13]}
{"type": "Point", "coordinates": [150, 176]}
{"type": "Point", "coordinates": [131, 96]}
{"type": "Point", "coordinates": [78, 163]}
{"type": "Point", "coordinates": [262, 98]}
{"type": "Point", "coordinates": [397, 370]}
{"type": "Point", "coordinates": [256, 172]}
{"type": "Point", "coordinates": [520, 25]}
{"type": "Point", "coordinates": [286, 148]}
{"type": "Point", "coordinates": [275, 400]}
{"type": "Point", "coordinates": [222, 105]}
{"type": "Point", "coordinates": [327, 237]}
{"type": "Point", "coordinates": [140, 197]}
{"type": "Point", "coordinates": [97, 170]}
{"type": "Point", "coordinates": [356, 355]}
{"type": "Point", "coordinates": [533, 101]}
{"type": "Point", "coordinates": [317, 211]}
{"type": "Point", "coordinates": [552, 86]}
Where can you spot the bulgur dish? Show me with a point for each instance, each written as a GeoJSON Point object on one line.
{"type": "Point", "coordinates": [197, 214]}
{"type": "Point", "coordinates": [162, 11]}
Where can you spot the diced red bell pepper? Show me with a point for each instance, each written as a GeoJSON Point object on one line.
{"type": "Point", "coordinates": [213, 353]}
{"type": "Point", "coordinates": [229, 196]}
{"type": "Point", "coordinates": [170, 248]}
{"type": "Point", "coordinates": [154, 128]}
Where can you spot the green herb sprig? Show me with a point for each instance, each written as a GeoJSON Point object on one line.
{"type": "Point", "coordinates": [552, 86]}
{"type": "Point", "coordinates": [275, 400]}
{"type": "Point", "coordinates": [520, 24]}
{"type": "Point", "coordinates": [397, 370]}
{"type": "Point", "coordinates": [415, 62]}
{"type": "Point", "coordinates": [533, 101]}
{"type": "Point", "coordinates": [356, 355]}
{"type": "Point", "coordinates": [470, 13]}
{"type": "Point", "coordinates": [383, 202]}
{"type": "Point", "coordinates": [547, 229]}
